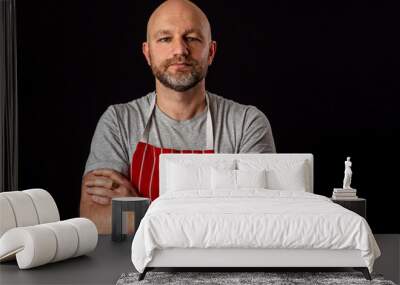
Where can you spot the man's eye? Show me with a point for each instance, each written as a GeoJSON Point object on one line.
{"type": "Point", "coordinates": [166, 39]}
{"type": "Point", "coordinates": [191, 39]}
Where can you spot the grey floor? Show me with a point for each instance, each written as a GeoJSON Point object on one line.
{"type": "Point", "coordinates": [389, 262]}
{"type": "Point", "coordinates": [110, 260]}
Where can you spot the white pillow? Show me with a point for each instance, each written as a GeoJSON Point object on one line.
{"type": "Point", "coordinates": [237, 179]}
{"type": "Point", "coordinates": [251, 179]}
{"type": "Point", "coordinates": [187, 178]}
{"type": "Point", "coordinates": [289, 175]}
{"type": "Point", "coordinates": [191, 175]}
{"type": "Point", "coordinates": [223, 179]}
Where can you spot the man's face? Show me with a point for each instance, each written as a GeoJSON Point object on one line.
{"type": "Point", "coordinates": [179, 50]}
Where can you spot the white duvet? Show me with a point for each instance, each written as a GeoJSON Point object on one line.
{"type": "Point", "coordinates": [251, 218]}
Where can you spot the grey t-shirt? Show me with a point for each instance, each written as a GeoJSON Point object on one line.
{"type": "Point", "coordinates": [237, 128]}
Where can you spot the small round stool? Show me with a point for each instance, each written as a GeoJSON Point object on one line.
{"type": "Point", "coordinates": [122, 210]}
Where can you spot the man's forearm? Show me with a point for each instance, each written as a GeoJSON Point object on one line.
{"type": "Point", "coordinates": [99, 185]}
{"type": "Point", "coordinates": [99, 214]}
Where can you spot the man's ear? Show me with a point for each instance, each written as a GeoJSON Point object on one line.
{"type": "Point", "coordinates": [211, 52]}
{"type": "Point", "coordinates": [145, 50]}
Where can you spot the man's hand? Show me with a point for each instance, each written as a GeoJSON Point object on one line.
{"type": "Point", "coordinates": [104, 184]}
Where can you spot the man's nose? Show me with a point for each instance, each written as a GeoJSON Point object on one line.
{"type": "Point", "coordinates": [180, 47]}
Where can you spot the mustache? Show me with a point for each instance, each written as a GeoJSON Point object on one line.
{"type": "Point", "coordinates": [187, 61]}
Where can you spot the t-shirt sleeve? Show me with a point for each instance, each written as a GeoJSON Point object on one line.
{"type": "Point", "coordinates": [107, 149]}
{"type": "Point", "coordinates": [257, 133]}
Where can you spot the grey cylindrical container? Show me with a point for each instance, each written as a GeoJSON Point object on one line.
{"type": "Point", "coordinates": [120, 205]}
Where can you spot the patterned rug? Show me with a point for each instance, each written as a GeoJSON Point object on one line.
{"type": "Point", "coordinates": [269, 278]}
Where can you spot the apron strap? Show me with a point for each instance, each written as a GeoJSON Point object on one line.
{"type": "Point", "coordinates": [209, 126]}
{"type": "Point", "coordinates": [145, 134]}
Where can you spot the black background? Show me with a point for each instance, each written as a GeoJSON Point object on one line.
{"type": "Point", "coordinates": [326, 76]}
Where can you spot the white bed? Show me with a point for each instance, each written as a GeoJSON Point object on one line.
{"type": "Point", "coordinates": [269, 217]}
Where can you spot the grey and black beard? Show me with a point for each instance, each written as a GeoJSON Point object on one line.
{"type": "Point", "coordinates": [184, 83]}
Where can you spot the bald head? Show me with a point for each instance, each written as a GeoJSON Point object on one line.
{"type": "Point", "coordinates": [179, 48]}
{"type": "Point", "coordinates": [183, 12]}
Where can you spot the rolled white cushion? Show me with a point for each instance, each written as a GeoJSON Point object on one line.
{"type": "Point", "coordinates": [67, 240]}
{"type": "Point", "coordinates": [23, 208]}
{"type": "Point", "coordinates": [87, 235]}
{"type": "Point", "coordinates": [7, 218]}
{"type": "Point", "coordinates": [26, 208]}
{"type": "Point", "coordinates": [40, 244]}
{"type": "Point", "coordinates": [33, 246]}
{"type": "Point", "coordinates": [45, 205]}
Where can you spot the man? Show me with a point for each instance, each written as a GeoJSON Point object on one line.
{"type": "Point", "coordinates": [179, 117]}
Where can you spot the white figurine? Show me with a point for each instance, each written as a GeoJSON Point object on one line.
{"type": "Point", "coordinates": [347, 174]}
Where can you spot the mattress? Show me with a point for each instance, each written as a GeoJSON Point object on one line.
{"type": "Point", "coordinates": [253, 219]}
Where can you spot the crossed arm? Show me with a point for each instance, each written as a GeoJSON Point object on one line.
{"type": "Point", "coordinates": [98, 188]}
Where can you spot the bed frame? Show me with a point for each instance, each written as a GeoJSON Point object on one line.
{"type": "Point", "coordinates": [249, 258]}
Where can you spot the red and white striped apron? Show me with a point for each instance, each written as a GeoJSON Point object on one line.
{"type": "Point", "coordinates": [145, 160]}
